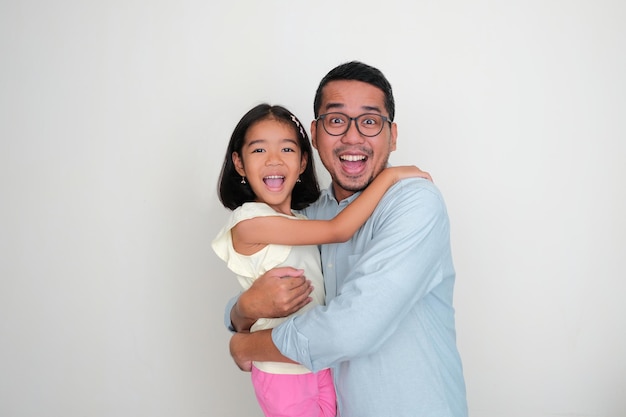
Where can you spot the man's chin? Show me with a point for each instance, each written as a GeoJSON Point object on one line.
{"type": "Point", "coordinates": [352, 185]}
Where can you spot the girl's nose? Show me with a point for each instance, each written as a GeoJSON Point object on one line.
{"type": "Point", "coordinates": [273, 158]}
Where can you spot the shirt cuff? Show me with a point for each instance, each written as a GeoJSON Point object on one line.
{"type": "Point", "coordinates": [229, 306]}
{"type": "Point", "coordinates": [292, 344]}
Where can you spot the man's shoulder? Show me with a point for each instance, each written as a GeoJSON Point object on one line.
{"type": "Point", "coordinates": [416, 190]}
{"type": "Point", "coordinates": [411, 206]}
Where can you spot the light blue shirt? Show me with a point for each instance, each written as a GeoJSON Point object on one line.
{"type": "Point", "coordinates": [387, 329]}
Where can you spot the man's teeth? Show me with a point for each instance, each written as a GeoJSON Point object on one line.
{"type": "Point", "coordinates": [352, 158]}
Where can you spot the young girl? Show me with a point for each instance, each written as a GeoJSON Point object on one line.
{"type": "Point", "coordinates": [268, 172]}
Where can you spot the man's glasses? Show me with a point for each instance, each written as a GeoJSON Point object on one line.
{"type": "Point", "coordinates": [368, 124]}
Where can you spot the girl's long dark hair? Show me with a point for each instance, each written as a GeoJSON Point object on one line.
{"type": "Point", "coordinates": [233, 193]}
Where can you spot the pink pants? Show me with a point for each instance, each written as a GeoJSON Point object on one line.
{"type": "Point", "coordinates": [303, 395]}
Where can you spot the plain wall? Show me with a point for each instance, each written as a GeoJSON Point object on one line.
{"type": "Point", "coordinates": [114, 119]}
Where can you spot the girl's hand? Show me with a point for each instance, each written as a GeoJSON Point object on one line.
{"type": "Point", "coordinates": [408, 171]}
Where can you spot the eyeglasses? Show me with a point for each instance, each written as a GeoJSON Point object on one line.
{"type": "Point", "coordinates": [368, 124]}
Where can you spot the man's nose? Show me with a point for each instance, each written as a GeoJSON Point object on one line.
{"type": "Point", "coordinates": [352, 135]}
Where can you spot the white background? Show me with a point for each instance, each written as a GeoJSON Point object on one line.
{"type": "Point", "coordinates": [114, 120]}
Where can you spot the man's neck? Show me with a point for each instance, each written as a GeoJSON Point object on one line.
{"type": "Point", "coordinates": [341, 194]}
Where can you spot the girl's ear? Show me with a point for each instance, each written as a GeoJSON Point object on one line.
{"type": "Point", "coordinates": [304, 161]}
{"type": "Point", "coordinates": [238, 162]}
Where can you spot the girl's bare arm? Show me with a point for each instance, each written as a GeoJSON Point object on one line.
{"type": "Point", "coordinates": [286, 231]}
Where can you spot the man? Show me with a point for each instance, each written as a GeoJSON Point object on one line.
{"type": "Point", "coordinates": [387, 329]}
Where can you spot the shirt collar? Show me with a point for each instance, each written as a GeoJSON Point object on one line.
{"type": "Point", "coordinates": [327, 195]}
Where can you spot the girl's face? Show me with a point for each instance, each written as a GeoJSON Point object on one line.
{"type": "Point", "coordinates": [272, 161]}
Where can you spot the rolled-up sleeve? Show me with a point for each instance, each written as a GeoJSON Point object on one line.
{"type": "Point", "coordinates": [229, 306]}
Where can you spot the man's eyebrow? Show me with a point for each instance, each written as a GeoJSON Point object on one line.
{"type": "Point", "coordinates": [336, 106]}
{"type": "Point", "coordinates": [372, 108]}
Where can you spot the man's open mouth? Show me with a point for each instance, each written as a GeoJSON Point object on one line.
{"type": "Point", "coordinates": [353, 158]}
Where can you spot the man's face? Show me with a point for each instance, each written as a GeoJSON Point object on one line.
{"type": "Point", "coordinates": [353, 160]}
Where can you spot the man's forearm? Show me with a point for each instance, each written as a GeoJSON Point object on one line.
{"type": "Point", "coordinates": [257, 346]}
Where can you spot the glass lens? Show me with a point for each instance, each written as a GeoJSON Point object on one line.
{"type": "Point", "coordinates": [336, 123]}
{"type": "Point", "coordinates": [369, 124]}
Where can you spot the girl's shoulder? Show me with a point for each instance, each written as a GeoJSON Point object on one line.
{"type": "Point", "coordinates": [254, 209]}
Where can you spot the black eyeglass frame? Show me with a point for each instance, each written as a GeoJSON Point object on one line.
{"type": "Point", "coordinates": [350, 119]}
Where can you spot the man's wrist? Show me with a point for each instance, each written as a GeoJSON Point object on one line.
{"type": "Point", "coordinates": [238, 318]}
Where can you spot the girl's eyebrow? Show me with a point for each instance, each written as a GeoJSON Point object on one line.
{"type": "Point", "coordinates": [255, 142]}
{"type": "Point", "coordinates": [263, 141]}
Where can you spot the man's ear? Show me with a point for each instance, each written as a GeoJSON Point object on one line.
{"type": "Point", "coordinates": [238, 162]}
{"type": "Point", "coordinates": [394, 136]}
{"type": "Point", "coordinates": [314, 134]}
